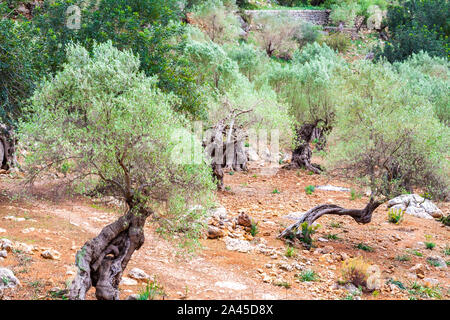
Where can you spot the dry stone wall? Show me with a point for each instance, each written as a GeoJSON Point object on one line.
{"type": "Point", "coordinates": [319, 17]}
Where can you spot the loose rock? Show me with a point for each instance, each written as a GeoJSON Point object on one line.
{"type": "Point", "coordinates": [51, 254]}
{"type": "Point", "coordinates": [437, 261]}
{"type": "Point", "coordinates": [138, 274]}
{"type": "Point", "coordinates": [214, 232]}
{"type": "Point", "coordinates": [415, 205]}
{"type": "Point", "coordinates": [7, 279]}
{"type": "Point", "coordinates": [244, 220]}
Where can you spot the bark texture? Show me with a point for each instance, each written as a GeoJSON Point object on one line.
{"type": "Point", "coordinates": [301, 156]}
{"type": "Point", "coordinates": [102, 260]}
{"type": "Point", "coordinates": [362, 216]}
{"type": "Point", "coordinates": [7, 148]}
{"type": "Point", "coordinates": [225, 146]}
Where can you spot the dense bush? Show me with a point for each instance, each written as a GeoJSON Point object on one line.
{"type": "Point", "coordinates": [308, 33]}
{"type": "Point", "coordinates": [310, 84]}
{"type": "Point", "coordinates": [20, 66]}
{"type": "Point", "coordinates": [430, 78]}
{"type": "Point", "coordinates": [344, 13]}
{"type": "Point", "coordinates": [251, 60]}
{"type": "Point", "coordinates": [275, 34]}
{"type": "Point", "coordinates": [337, 41]}
{"type": "Point", "coordinates": [388, 137]}
{"type": "Point", "coordinates": [149, 28]}
{"type": "Point", "coordinates": [217, 20]}
{"type": "Point", "coordinates": [361, 6]}
{"type": "Point", "coordinates": [415, 26]}
{"type": "Point", "coordinates": [214, 68]}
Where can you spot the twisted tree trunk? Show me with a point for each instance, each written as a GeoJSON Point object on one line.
{"type": "Point", "coordinates": [362, 216]}
{"type": "Point", "coordinates": [231, 153]}
{"type": "Point", "coordinates": [7, 148]}
{"type": "Point", "coordinates": [301, 156]}
{"type": "Point", "coordinates": [102, 260]}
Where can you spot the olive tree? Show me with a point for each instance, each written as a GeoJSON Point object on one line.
{"type": "Point", "coordinates": [117, 129]}
{"type": "Point", "coordinates": [387, 139]}
{"type": "Point", "coordinates": [429, 77]}
{"type": "Point", "coordinates": [274, 34]}
{"type": "Point", "coordinates": [311, 86]}
{"type": "Point", "coordinates": [236, 107]}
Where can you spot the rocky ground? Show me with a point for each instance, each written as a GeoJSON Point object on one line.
{"type": "Point", "coordinates": [41, 234]}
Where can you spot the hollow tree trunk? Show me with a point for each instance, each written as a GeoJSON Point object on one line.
{"type": "Point", "coordinates": [301, 156]}
{"type": "Point", "coordinates": [102, 260]}
{"type": "Point", "coordinates": [362, 216]}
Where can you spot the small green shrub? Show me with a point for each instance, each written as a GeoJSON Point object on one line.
{"type": "Point", "coordinates": [364, 247]}
{"type": "Point", "coordinates": [445, 220]}
{"type": "Point", "coordinates": [254, 230]}
{"type": "Point", "coordinates": [332, 236]}
{"type": "Point", "coordinates": [415, 252]}
{"type": "Point", "coordinates": [340, 42]}
{"type": "Point", "coordinates": [395, 215]}
{"type": "Point", "coordinates": [309, 189]}
{"type": "Point", "coordinates": [433, 263]}
{"type": "Point", "coordinates": [403, 257]}
{"type": "Point", "coordinates": [290, 252]}
{"type": "Point", "coordinates": [355, 195]}
{"type": "Point", "coordinates": [447, 250]}
{"type": "Point", "coordinates": [308, 275]}
{"type": "Point", "coordinates": [428, 244]}
{"type": "Point", "coordinates": [419, 291]}
{"type": "Point", "coordinates": [399, 284]}
{"type": "Point", "coordinates": [275, 191]}
{"type": "Point", "coordinates": [151, 291]}
{"type": "Point", "coordinates": [283, 284]}
{"type": "Point", "coordinates": [307, 232]}
{"type": "Point", "coordinates": [335, 225]}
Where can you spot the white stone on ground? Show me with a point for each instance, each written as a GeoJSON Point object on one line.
{"type": "Point", "coordinates": [415, 205]}
{"type": "Point", "coordinates": [332, 188]}
{"type": "Point", "coordinates": [238, 245]}
{"type": "Point", "coordinates": [231, 285]}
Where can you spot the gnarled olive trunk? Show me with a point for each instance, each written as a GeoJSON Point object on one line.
{"type": "Point", "coordinates": [7, 148]}
{"type": "Point", "coordinates": [102, 260]}
{"type": "Point", "coordinates": [362, 216]}
{"type": "Point", "coordinates": [231, 153]}
{"type": "Point", "coordinates": [301, 156]}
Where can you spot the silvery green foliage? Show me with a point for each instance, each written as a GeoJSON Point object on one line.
{"type": "Point", "coordinates": [375, 17]}
{"type": "Point", "coordinates": [275, 34]}
{"type": "Point", "coordinates": [214, 68]}
{"type": "Point", "coordinates": [217, 19]}
{"type": "Point", "coordinates": [344, 12]}
{"type": "Point", "coordinates": [251, 60]}
{"type": "Point", "coordinates": [227, 88]}
{"type": "Point", "coordinates": [112, 123]}
{"type": "Point", "coordinates": [430, 78]}
{"type": "Point", "coordinates": [311, 84]}
{"type": "Point", "coordinates": [385, 135]}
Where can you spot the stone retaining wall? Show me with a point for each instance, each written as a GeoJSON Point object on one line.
{"type": "Point", "coordinates": [320, 17]}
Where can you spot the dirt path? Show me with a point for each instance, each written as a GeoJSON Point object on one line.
{"type": "Point", "coordinates": [215, 272]}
